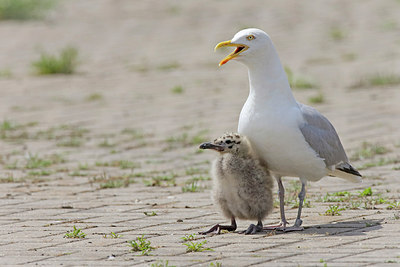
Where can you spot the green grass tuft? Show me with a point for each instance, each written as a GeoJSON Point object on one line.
{"type": "Point", "coordinates": [162, 180]}
{"type": "Point", "coordinates": [185, 139]}
{"type": "Point", "coordinates": [112, 235]}
{"type": "Point", "coordinates": [65, 63]}
{"type": "Point", "coordinates": [169, 66]}
{"type": "Point", "coordinates": [75, 233]}
{"type": "Point", "coordinates": [377, 80]}
{"type": "Point", "coordinates": [189, 237]}
{"type": "Point", "coordinates": [366, 192]}
{"type": "Point", "coordinates": [71, 142]}
{"type": "Point", "coordinates": [7, 125]}
{"type": "Point", "coordinates": [5, 73]}
{"type": "Point", "coordinates": [94, 97]}
{"type": "Point", "coordinates": [177, 90]}
{"type": "Point", "coordinates": [35, 162]}
{"type": "Point", "coordinates": [333, 210]}
{"type": "Point", "coordinates": [24, 9]}
{"type": "Point", "coordinates": [368, 151]}
{"type": "Point", "coordinates": [298, 81]}
{"type": "Point", "coordinates": [106, 144]}
{"type": "Point", "coordinates": [161, 263]}
{"type": "Point", "coordinates": [118, 183]}
{"type": "Point", "coordinates": [142, 245]}
{"type": "Point", "coordinates": [337, 34]}
{"type": "Point", "coordinates": [196, 246]}
{"type": "Point", "coordinates": [39, 173]}
{"type": "Point", "coordinates": [192, 186]}
{"type": "Point", "coordinates": [317, 99]}
{"type": "Point", "coordinates": [395, 205]}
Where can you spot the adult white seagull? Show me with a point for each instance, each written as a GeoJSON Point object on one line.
{"type": "Point", "coordinates": [291, 138]}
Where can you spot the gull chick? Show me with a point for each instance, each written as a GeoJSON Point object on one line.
{"type": "Point", "coordinates": [292, 138]}
{"type": "Point", "coordinates": [242, 186]}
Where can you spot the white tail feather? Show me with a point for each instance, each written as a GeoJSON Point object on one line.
{"type": "Point", "coordinates": [345, 175]}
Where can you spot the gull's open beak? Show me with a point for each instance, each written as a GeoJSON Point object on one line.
{"type": "Point", "coordinates": [239, 49]}
{"type": "Point", "coordinates": [209, 145]}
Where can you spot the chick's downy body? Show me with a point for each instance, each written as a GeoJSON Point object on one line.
{"type": "Point", "coordinates": [242, 186]}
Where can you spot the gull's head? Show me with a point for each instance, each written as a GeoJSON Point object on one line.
{"type": "Point", "coordinates": [228, 143]}
{"type": "Point", "coordinates": [249, 44]}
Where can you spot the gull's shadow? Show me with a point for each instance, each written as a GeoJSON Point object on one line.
{"type": "Point", "coordinates": [345, 228]}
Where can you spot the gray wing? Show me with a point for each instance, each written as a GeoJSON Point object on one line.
{"type": "Point", "coordinates": [320, 134]}
{"type": "Point", "coordinates": [322, 137]}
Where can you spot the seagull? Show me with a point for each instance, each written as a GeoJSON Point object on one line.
{"type": "Point", "coordinates": [242, 186]}
{"type": "Point", "coordinates": [292, 139]}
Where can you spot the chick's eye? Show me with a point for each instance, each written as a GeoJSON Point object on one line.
{"type": "Point", "coordinates": [250, 37]}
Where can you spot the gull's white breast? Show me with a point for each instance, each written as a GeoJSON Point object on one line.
{"type": "Point", "coordinates": [273, 130]}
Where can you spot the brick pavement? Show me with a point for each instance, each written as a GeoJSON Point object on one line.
{"type": "Point", "coordinates": [108, 155]}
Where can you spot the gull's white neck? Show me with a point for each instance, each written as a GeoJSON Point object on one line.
{"type": "Point", "coordinates": [268, 80]}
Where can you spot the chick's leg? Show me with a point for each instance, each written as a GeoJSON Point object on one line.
{"type": "Point", "coordinates": [216, 229]}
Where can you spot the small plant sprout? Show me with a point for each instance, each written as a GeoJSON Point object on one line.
{"type": "Point", "coordinates": [113, 183]}
{"type": "Point", "coordinates": [94, 97]}
{"type": "Point", "coordinates": [106, 143]}
{"type": "Point", "coordinates": [394, 206]}
{"type": "Point", "coordinates": [112, 235]}
{"type": "Point", "coordinates": [76, 233]}
{"type": "Point", "coordinates": [215, 264]}
{"type": "Point", "coordinates": [161, 263]}
{"type": "Point", "coordinates": [35, 162]}
{"type": "Point", "coordinates": [196, 246]}
{"type": "Point", "coordinates": [193, 171]}
{"type": "Point", "coordinates": [317, 99]}
{"type": "Point", "coordinates": [333, 210]}
{"type": "Point", "coordinates": [177, 90]}
{"type": "Point", "coordinates": [337, 34]}
{"type": "Point", "coordinates": [169, 66]}
{"type": "Point", "coordinates": [153, 213]}
{"type": "Point", "coordinates": [163, 180]}
{"type": "Point", "coordinates": [366, 193]}
{"type": "Point", "coordinates": [191, 187]}
{"type": "Point", "coordinates": [83, 167]}
{"type": "Point", "coordinates": [40, 173]}
{"type": "Point", "coordinates": [70, 142]}
{"type": "Point", "coordinates": [297, 81]}
{"type": "Point", "coordinates": [5, 73]}
{"type": "Point", "coordinates": [142, 245]}
{"type": "Point", "coordinates": [369, 150]}
{"type": "Point", "coordinates": [377, 80]}
{"type": "Point", "coordinates": [188, 237]}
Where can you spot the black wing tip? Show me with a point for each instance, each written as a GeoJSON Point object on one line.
{"type": "Point", "coordinates": [349, 169]}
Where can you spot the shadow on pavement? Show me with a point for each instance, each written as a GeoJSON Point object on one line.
{"type": "Point", "coordinates": [346, 228]}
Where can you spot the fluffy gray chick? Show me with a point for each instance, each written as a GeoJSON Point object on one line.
{"type": "Point", "coordinates": [242, 186]}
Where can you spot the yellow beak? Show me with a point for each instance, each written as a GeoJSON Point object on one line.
{"type": "Point", "coordinates": [239, 49]}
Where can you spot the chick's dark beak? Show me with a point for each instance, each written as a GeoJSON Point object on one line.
{"type": "Point", "coordinates": [209, 145]}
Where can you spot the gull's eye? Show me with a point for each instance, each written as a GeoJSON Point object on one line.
{"type": "Point", "coordinates": [250, 37]}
